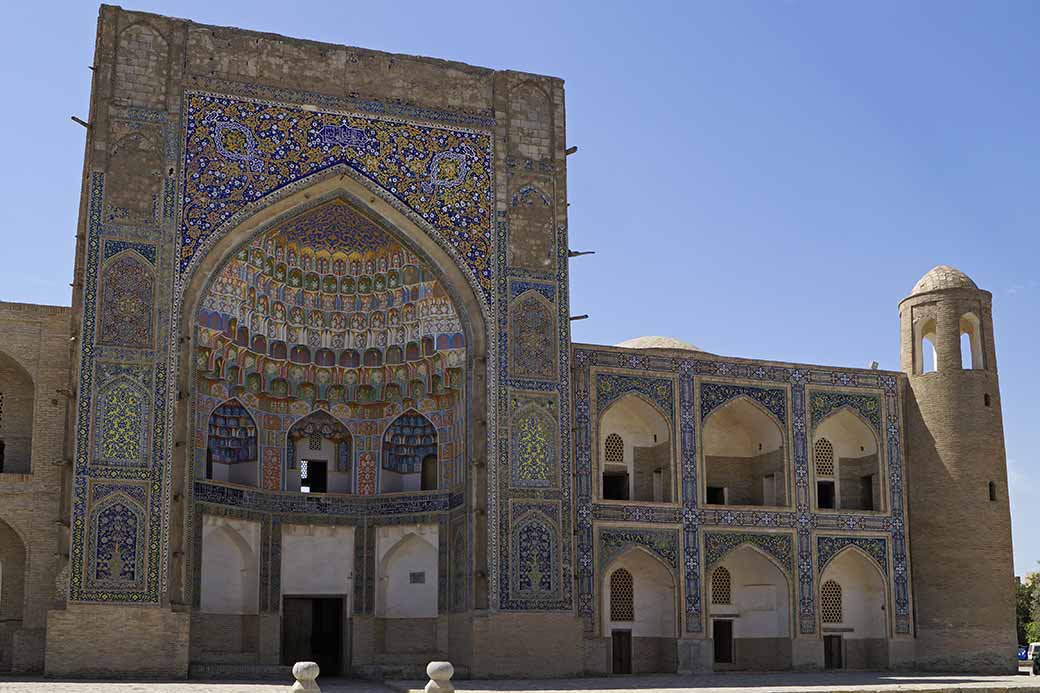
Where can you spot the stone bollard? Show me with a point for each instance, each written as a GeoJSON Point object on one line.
{"type": "Point", "coordinates": [440, 674]}
{"type": "Point", "coordinates": [305, 673]}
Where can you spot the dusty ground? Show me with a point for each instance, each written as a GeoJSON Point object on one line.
{"type": "Point", "coordinates": [843, 682]}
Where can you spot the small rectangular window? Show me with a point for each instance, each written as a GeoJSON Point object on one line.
{"type": "Point", "coordinates": [992, 491]}
{"type": "Point", "coordinates": [825, 494]}
{"type": "Point", "coordinates": [417, 578]}
{"type": "Point", "coordinates": [716, 495]}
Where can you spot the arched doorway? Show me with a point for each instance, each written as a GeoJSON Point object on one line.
{"type": "Point", "coordinates": [17, 400]}
{"type": "Point", "coordinates": [639, 613]}
{"type": "Point", "coordinates": [744, 456]}
{"type": "Point", "coordinates": [853, 612]}
{"type": "Point", "coordinates": [750, 608]}
{"type": "Point", "coordinates": [12, 589]}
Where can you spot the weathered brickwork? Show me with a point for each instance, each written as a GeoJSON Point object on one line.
{"type": "Point", "coordinates": [34, 520]}
{"type": "Point", "coordinates": [325, 288]}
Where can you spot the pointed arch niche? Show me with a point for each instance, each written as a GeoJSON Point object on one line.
{"type": "Point", "coordinates": [750, 590]}
{"type": "Point", "coordinates": [321, 451]}
{"type": "Point", "coordinates": [635, 452]}
{"type": "Point", "coordinates": [12, 589]}
{"type": "Point", "coordinates": [745, 459]}
{"type": "Point", "coordinates": [639, 596]}
{"type": "Point", "coordinates": [231, 445]}
{"type": "Point", "coordinates": [846, 462]}
{"type": "Point", "coordinates": [860, 615]}
{"type": "Point", "coordinates": [17, 411]}
{"type": "Point", "coordinates": [406, 572]}
{"type": "Point", "coordinates": [410, 454]}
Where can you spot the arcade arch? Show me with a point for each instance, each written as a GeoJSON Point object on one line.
{"type": "Point", "coordinates": [639, 612]}
{"type": "Point", "coordinates": [750, 610]}
{"type": "Point", "coordinates": [862, 623]}
{"type": "Point", "coordinates": [846, 462]}
{"type": "Point", "coordinates": [636, 452]}
{"type": "Point", "coordinates": [744, 456]}
{"type": "Point", "coordinates": [17, 400]}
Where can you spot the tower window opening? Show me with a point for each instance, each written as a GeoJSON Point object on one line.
{"type": "Point", "coordinates": [992, 491]}
{"type": "Point", "coordinates": [925, 359]}
{"type": "Point", "coordinates": [985, 400]}
{"type": "Point", "coordinates": [971, 342]}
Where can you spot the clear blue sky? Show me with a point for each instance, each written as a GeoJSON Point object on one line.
{"type": "Point", "coordinates": [763, 179]}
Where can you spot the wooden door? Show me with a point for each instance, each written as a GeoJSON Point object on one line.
{"type": "Point", "coordinates": [297, 614]}
{"type": "Point", "coordinates": [722, 637]}
{"type": "Point", "coordinates": [832, 658]}
{"type": "Point", "coordinates": [621, 649]}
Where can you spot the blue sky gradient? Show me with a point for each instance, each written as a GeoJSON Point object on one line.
{"type": "Point", "coordinates": [763, 179]}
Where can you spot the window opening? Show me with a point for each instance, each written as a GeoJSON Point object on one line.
{"type": "Point", "coordinates": [721, 586]}
{"type": "Point", "coordinates": [992, 491]}
{"type": "Point", "coordinates": [614, 449]}
{"type": "Point", "coordinates": [823, 453]}
{"type": "Point", "coordinates": [830, 602]}
{"type": "Point", "coordinates": [825, 495]}
{"type": "Point", "coordinates": [621, 596]}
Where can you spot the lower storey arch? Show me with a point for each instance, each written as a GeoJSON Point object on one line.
{"type": "Point", "coordinates": [639, 614]}
{"type": "Point", "coordinates": [854, 612]}
{"type": "Point", "coordinates": [750, 612]}
{"type": "Point", "coordinates": [12, 590]}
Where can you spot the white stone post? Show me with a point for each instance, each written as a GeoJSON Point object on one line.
{"type": "Point", "coordinates": [305, 674]}
{"type": "Point", "coordinates": [440, 674]}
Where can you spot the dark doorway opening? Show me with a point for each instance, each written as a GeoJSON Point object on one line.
{"type": "Point", "coordinates": [615, 486]}
{"type": "Point", "coordinates": [314, 476]}
{"type": "Point", "coordinates": [832, 658]}
{"type": "Point", "coordinates": [825, 494]}
{"type": "Point", "coordinates": [722, 637]}
{"type": "Point", "coordinates": [866, 490]}
{"type": "Point", "coordinates": [312, 630]}
{"type": "Point", "coordinates": [621, 651]}
{"type": "Point", "coordinates": [428, 482]}
{"type": "Point", "coordinates": [716, 495]}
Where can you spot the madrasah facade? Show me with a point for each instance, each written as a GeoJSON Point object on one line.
{"type": "Point", "coordinates": [316, 398]}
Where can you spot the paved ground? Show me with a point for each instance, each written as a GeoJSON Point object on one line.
{"type": "Point", "coordinates": [846, 682]}
{"type": "Point", "coordinates": [786, 682]}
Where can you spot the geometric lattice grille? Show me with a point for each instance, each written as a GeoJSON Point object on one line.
{"type": "Point", "coordinates": [830, 602]}
{"type": "Point", "coordinates": [621, 596]}
{"type": "Point", "coordinates": [315, 441]}
{"type": "Point", "coordinates": [721, 586]}
{"type": "Point", "coordinates": [615, 449]}
{"type": "Point", "coordinates": [823, 453]}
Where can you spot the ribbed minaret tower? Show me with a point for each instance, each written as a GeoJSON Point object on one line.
{"type": "Point", "coordinates": [960, 521]}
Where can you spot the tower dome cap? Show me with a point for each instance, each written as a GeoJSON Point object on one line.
{"type": "Point", "coordinates": [943, 277]}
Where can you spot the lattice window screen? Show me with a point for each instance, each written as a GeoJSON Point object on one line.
{"type": "Point", "coordinates": [823, 453]}
{"type": "Point", "coordinates": [614, 450]}
{"type": "Point", "coordinates": [830, 602]}
{"type": "Point", "coordinates": [621, 596]}
{"type": "Point", "coordinates": [721, 586]}
{"type": "Point", "coordinates": [315, 441]}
